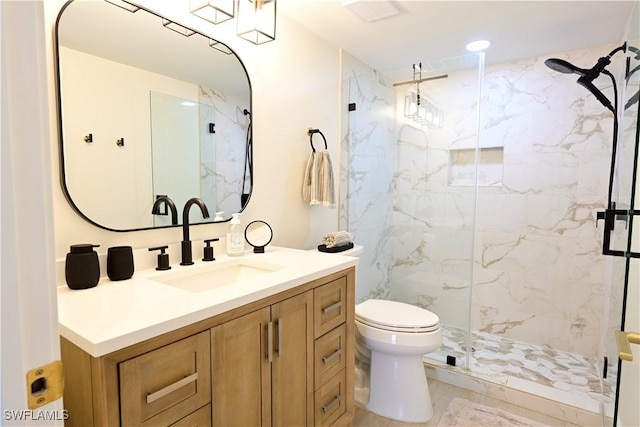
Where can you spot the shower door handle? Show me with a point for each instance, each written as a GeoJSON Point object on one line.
{"type": "Point", "coordinates": [610, 216]}
{"type": "Point", "coordinates": [624, 339]}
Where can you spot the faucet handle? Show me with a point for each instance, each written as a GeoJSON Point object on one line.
{"type": "Point", "coordinates": [208, 250]}
{"type": "Point", "coordinates": [163, 258]}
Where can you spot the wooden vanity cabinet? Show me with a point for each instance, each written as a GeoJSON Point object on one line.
{"type": "Point", "coordinates": [262, 365]}
{"type": "Point", "coordinates": [287, 359]}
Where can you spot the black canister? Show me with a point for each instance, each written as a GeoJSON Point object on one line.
{"type": "Point", "coordinates": [82, 269]}
{"type": "Point", "coordinates": [120, 262]}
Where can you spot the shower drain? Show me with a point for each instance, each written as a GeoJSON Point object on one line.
{"type": "Point", "coordinates": [464, 348]}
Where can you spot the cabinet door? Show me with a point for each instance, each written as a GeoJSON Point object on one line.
{"type": "Point", "coordinates": [241, 373]}
{"type": "Point", "coordinates": [292, 367]}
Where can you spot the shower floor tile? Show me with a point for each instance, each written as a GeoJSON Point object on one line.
{"type": "Point", "coordinates": [539, 370]}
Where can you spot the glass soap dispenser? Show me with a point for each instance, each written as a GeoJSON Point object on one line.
{"type": "Point", "coordinates": [235, 238]}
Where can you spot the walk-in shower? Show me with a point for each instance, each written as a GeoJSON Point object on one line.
{"type": "Point", "coordinates": [488, 221]}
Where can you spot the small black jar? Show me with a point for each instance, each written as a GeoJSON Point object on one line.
{"type": "Point", "coordinates": [82, 269]}
{"type": "Point", "coordinates": [120, 263]}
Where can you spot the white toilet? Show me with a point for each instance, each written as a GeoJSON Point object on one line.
{"type": "Point", "coordinates": [391, 338]}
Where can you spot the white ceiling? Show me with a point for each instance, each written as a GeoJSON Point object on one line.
{"type": "Point", "coordinates": [429, 30]}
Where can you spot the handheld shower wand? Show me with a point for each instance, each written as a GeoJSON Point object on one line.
{"type": "Point", "coordinates": [587, 76]}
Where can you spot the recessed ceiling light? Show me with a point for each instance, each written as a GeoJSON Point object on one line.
{"type": "Point", "coordinates": [478, 45]}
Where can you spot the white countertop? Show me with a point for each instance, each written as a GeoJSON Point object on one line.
{"type": "Point", "coordinates": [114, 315]}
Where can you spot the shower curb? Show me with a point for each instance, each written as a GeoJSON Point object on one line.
{"type": "Point", "coordinates": [546, 400]}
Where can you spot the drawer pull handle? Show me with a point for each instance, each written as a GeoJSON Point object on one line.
{"type": "Point", "coordinates": [332, 307]}
{"type": "Point", "coordinates": [171, 388]}
{"type": "Point", "coordinates": [335, 354]}
{"type": "Point", "coordinates": [333, 403]}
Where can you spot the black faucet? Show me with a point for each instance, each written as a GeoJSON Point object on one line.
{"type": "Point", "coordinates": [172, 206]}
{"type": "Point", "coordinates": [186, 243]}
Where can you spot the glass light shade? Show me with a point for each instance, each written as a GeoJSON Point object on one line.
{"type": "Point", "coordinates": [177, 28]}
{"type": "Point", "coordinates": [214, 11]}
{"type": "Point", "coordinates": [257, 20]}
{"type": "Point", "coordinates": [124, 5]}
{"type": "Point", "coordinates": [220, 46]}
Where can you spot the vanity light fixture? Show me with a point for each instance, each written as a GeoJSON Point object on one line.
{"type": "Point", "coordinates": [257, 20]}
{"type": "Point", "coordinates": [124, 5]}
{"type": "Point", "coordinates": [214, 11]}
{"type": "Point", "coordinates": [177, 28]}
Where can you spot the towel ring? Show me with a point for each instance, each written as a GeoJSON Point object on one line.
{"type": "Point", "coordinates": [310, 132]}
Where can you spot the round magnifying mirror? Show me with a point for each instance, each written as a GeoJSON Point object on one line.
{"type": "Point", "coordinates": [258, 234]}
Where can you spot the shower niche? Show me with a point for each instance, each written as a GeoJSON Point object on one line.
{"type": "Point", "coordinates": [463, 171]}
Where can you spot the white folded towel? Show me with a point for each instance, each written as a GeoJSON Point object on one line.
{"type": "Point", "coordinates": [317, 187]}
{"type": "Point", "coordinates": [337, 238]}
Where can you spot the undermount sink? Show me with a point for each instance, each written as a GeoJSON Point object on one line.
{"type": "Point", "coordinates": [205, 277]}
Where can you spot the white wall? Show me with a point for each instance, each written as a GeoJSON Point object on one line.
{"type": "Point", "coordinates": [95, 170]}
{"type": "Point", "coordinates": [295, 82]}
{"type": "Point", "coordinates": [29, 311]}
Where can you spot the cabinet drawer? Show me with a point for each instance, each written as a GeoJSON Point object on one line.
{"type": "Point", "coordinates": [330, 352]}
{"type": "Point", "coordinates": [329, 306]}
{"type": "Point", "coordinates": [167, 384]}
{"type": "Point", "coordinates": [200, 418]}
{"type": "Point", "coordinates": [330, 400]}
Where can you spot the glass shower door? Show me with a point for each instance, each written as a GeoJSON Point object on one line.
{"type": "Point", "coordinates": [622, 240]}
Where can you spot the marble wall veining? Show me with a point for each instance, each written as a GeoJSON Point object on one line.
{"type": "Point", "coordinates": [539, 274]}
{"type": "Point", "coordinates": [366, 198]}
{"type": "Point", "coordinates": [518, 257]}
{"type": "Point", "coordinates": [222, 164]}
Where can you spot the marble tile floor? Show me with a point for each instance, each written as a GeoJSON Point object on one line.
{"type": "Point", "coordinates": [550, 374]}
{"type": "Point", "coordinates": [441, 395]}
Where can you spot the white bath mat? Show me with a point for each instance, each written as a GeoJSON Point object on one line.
{"type": "Point", "coordinates": [463, 413]}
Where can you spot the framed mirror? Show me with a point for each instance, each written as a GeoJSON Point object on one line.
{"type": "Point", "coordinates": [149, 108]}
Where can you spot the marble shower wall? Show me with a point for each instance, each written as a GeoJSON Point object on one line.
{"type": "Point", "coordinates": [434, 195]}
{"type": "Point", "coordinates": [366, 172]}
{"type": "Point", "coordinates": [539, 276]}
{"type": "Point", "coordinates": [525, 262]}
{"type": "Point", "coordinates": [223, 156]}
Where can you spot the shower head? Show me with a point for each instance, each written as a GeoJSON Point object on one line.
{"type": "Point", "coordinates": [562, 66]}
{"type": "Point", "coordinates": [587, 76]}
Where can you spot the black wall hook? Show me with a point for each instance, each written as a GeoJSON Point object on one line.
{"type": "Point", "coordinates": [310, 132]}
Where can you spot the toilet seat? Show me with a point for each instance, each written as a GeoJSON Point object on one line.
{"type": "Point", "coordinates": [396, 316]}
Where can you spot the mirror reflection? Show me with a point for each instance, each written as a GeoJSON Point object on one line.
{"type": "Point", "coordinates": [145, 113]}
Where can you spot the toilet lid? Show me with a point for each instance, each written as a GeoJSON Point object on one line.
{"type": "Point", "coordinates": [396, 316]}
